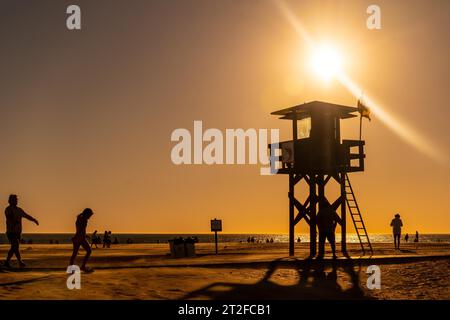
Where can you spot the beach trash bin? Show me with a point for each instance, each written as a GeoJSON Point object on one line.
{"type": "Point", "coordinates": [189, 247]}
{"type": "Point", "coordinates": [177, 248]}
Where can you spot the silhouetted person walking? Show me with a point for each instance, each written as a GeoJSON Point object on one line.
{"type": "Point", "coordinates": [397, 225]}
{"type": "Point", "coordinates": [14, 216]}
{"type": "Point", "coordinates": [327, 220]}
{"type": "Point", "coordinates": [80, 238]}
{"type": "Point", "coordinates": [406, 238]}
{"type": "Point", "coordinates": [95, 239]}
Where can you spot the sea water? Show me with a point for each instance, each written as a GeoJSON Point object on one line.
{"type": "Point", "coordinates": [64, 238]}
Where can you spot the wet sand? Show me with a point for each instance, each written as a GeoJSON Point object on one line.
{"type": "Point", "coordinates": [240, 271]}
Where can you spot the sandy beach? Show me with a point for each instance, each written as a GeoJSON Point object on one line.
{"type": "Point", "coordinates": [240, 271]}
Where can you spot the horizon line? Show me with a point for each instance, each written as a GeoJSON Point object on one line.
{"type": "Point", "coordinates": [233, 233]}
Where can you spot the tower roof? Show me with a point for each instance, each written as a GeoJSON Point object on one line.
{"type": "Point", "coordinates": [305, 110]}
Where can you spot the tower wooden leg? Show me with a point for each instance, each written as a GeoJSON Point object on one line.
{"type": "Point", "coordinates": [312, 217]}
{"type": "Point", "coordinates": [291, 216]}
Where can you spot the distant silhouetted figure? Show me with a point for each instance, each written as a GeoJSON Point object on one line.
{"type": "Point", "coordinates": [397, 225]}
{"type": "Point", "coordinates": [299, 240]}
{"type": "Point", "coordinates": [248, 240]}
{"type": "Point", "coordinates": [80, 238]}
{"type": "Point", "coordinates": [416, 239]}
{"type": "Point", "coordinates": [116, 241]}
{"type": "Point", "coordinates": [107, 239]}
{"type": "Point", "coordinates": [252, 239]}
{"type": "Point", "coordinates": [14, 216]}
{"type": "Point", "coordinates": [95, 239]}
{"type": "Point", "coordinates": [406, 238]}
{"type": "Point", "coordinates": [327, 220]}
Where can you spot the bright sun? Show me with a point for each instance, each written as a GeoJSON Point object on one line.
{"type": "Point", "coordinates": [326, 62]}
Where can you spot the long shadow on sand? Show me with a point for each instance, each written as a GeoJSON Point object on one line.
{"type": "Point", "coordinates": [314, 283]}
{"type": "Point", "coordinates": [18, 282]}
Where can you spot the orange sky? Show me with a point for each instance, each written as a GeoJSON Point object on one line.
{"type": "Point", "coordinates": [86, 117]}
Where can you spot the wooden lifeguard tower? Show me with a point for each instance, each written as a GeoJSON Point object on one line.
{"type": "Point", "coordinates": [316, 154]}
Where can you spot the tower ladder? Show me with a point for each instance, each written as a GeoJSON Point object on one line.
{"type": "Point", "coordinates": [357, 219]}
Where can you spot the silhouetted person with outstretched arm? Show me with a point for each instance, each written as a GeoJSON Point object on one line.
{"type": "Point", "coordinates": [397, 225]}
{"type": "Point", "coordinates": [14, 215]}
{"type": "Point", "coordinates": [327, 219]}
{"type": "Point", "coordinates": [80, 238]}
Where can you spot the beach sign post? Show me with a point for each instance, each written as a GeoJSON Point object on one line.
{"type": "Point", "coordinates": [216, 225]}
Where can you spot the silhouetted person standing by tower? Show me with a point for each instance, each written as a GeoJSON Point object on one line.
{"type": "Point", "coordinates": [327, 220]}
{"type": "Point", "coordinates": [80, 238]}
{"type": "Point", "coordinates": [14, 216]}
{"type": "Point", "coordinates": [397, 225]}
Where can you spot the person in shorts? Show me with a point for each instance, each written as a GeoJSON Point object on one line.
{"type": "Point", "coordinates": [14, 215]}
